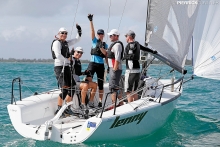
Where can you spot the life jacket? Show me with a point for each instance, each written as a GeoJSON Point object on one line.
{"type": "Point", "coordinates": [64, 49]}
{"type": "Point", "coordinates": [133, 47]}
{"type": "Point", "coordinates": [97, 50]}
{"type": "Point", "coordinates": [111, 54]}
{"type": "Point", "coordinates": [132, 53]}
{"type": "Point", "coordinates": [77, 68]}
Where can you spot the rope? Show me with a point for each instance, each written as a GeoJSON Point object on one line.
{"type": "Point", "coordinates": [122, 14]}
{"type": "Point", "coordinates": [74, 19]}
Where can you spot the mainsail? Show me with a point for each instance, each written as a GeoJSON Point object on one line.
{"type": "Point", "coordinates": [206, 41]}
{"type": "Point", "coordinates": [170, 27]}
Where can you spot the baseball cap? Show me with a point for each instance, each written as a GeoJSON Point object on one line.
{"type": "Point", "coordinates": [100, 31]}
{"type": "Point", "coordinates": [114, 31]}
{"type": "Point", "coordinates": [130, 33]}
{"type": "Point", "coordinates": [62, 30]}
{"type": "Point", "coordinates": [78, 49]}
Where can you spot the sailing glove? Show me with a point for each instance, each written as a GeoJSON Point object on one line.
{"type": "Point", "coordinates": [102, 45]}
{"type": "Point", "coordinates": [90, 16]}
{"type": "Point", "coordinates": [79, 29]}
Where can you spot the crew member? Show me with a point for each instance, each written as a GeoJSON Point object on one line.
{"type": "Point", "coordinates": [132, 73]}
{"type": "Point", "coordinates": [98, 52]}
{"type": "Point", "coordinates": [114, 55]}
{"type": "Point", "coordinates": [61, 56]}
{"type": "Point", "coordinates": [82, 85]}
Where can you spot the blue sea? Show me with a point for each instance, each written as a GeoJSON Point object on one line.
{"type": "Point", "coordinates": [194, 122]}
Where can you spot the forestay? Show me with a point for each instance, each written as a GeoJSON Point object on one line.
{"type": "Point", "coordinates": [169, 28]}
{"type": "Point", "coordinates": [206, 41]}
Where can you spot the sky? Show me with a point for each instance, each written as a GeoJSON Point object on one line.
{"type": "Point", "coordinates": [28, 27]}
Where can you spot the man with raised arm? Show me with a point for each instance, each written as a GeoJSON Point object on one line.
{"type": "Point", "coordinates": [61, 55]}
{"type": "Point", "coordinates": [98, 52]}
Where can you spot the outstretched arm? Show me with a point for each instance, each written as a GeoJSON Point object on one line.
{"type": "Point", "coordinates": [90, 17]}
{"type": "Point", "coordinates": [147, 49]}
{"type": "Point", "coordinates": [78, 36]}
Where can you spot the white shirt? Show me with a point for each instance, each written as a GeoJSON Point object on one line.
{"type": "Point", "coordinates": [60, 59]}
{"type": "Point", "coordinates": [116, 49]}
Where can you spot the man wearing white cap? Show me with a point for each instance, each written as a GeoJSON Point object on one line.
{"type": "Point", "coordinates": [82, 85]}
{"type": "Point", "coordinates": [61, 56]}
{"type": "Point", "coordinates": [115, 55]}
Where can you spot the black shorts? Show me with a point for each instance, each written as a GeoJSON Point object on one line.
{"type": "Point", "coordinates": [131, 81]}
{"type": "Point", "coordinates": [99, 69]}
{"type": "Point", "coordinates": [64, 79]}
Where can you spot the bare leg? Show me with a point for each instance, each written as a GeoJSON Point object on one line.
{"type": "Point", "coordinates": [100, 95]}
{"type": "Point", "coordinates": [60, 101]}
{"type": "Point", "coordinates": [113, 97]}
{"type": "Point", "coordinates": [130, 98]}
{"type": "Point", "coordinates": [119, 97]}
{"type": "Point", "coordinates": [68, 98]}
{"type": "Point", "coordinates": [135, 96]}
{"type": "Point", "coordinates": [84, 88]}
{"type": "Point", "coordinates": [89, 79]}
{"type": "Point", "coordinates": [93, 86]}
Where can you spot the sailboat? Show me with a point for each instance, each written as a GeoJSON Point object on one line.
{"type": "Point", "coordinates": [169, 29]}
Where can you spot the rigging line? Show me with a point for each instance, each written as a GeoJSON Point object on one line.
{"type": "Point", "coordinates": [74, 18]}
{"type": "Point", "coordinates": [122, 14]}
{"type": "Point", "coordinates": [31, 91]}
{"type": "Point", "coordinates": [109, 8]}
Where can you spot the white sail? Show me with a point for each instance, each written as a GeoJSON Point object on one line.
{"type": "Point", "coordinates": [170, 27]}
{"type": "Point", "coordinates": [206, 41]}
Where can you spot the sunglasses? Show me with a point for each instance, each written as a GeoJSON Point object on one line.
{"type": "Point", "coordinates": [100, 34]}
{"type": "Point", "coordinates": [64, 33]}
{"type": "Point", "coordinates": [79, 52]}
{"type": "Point", "coordinates": [112, 35]}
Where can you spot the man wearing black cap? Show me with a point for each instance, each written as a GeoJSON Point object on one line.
{"type": "Point", "coordinates": [98, 52]}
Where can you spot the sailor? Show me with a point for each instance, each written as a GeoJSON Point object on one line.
{"type": "Point", "coordinates": [61, 56]}
{"type": "Point", "coordinates": [114, 55]}
{"type": "Point", "coordinates": [82, 85]}
{"type": "Point", "coordinates": [132, 72]}
{"type": "Point", "coordinates": [98, 52]}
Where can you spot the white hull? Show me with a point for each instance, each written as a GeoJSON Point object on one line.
{"type": "Point", "coordinates": [33, 117]}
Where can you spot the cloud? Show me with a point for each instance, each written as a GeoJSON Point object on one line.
{"type": "Point", "coordinates": [34, 8]}
{"type": "Point", "coordinates": [16, 33]}
{"type": "Point", "coordinates": [30, 25]}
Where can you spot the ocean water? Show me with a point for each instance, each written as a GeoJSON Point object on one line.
{"type": "Point", "coordinates": [194, 122]}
